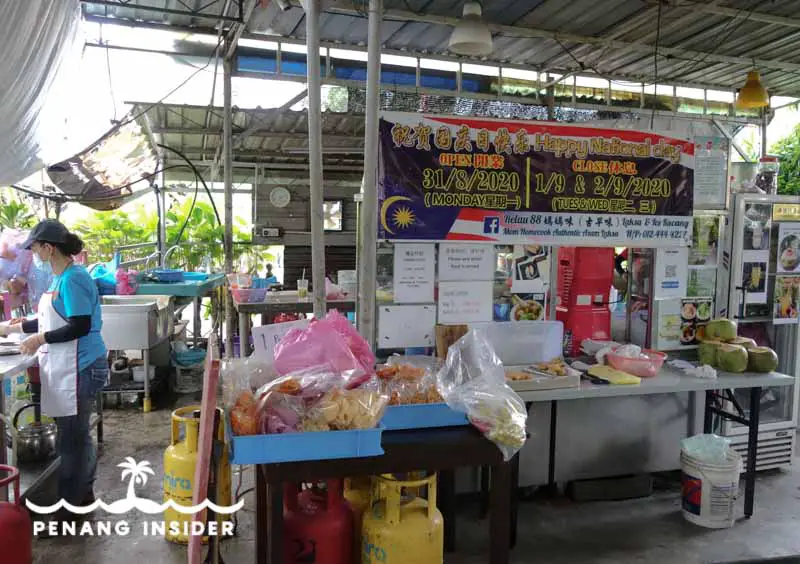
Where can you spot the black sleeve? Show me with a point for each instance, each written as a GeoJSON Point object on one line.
{"type": "Point", "coordinates": [30, 326]}
{"type": "Point", "coordinates": [75, 328]}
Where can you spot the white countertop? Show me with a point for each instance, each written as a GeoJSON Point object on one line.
{"type": "Point", "coordinates": [668, 381]}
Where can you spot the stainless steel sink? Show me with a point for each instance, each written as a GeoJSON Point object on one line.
{"type": "Point", "coordinates": [136, 322]}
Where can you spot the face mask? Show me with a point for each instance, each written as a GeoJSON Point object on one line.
{"type": "Point", "coordinates": [39, 263]}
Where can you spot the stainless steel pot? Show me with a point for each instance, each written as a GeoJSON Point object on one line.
{"type": "Point", "coordinates": [35, 442]}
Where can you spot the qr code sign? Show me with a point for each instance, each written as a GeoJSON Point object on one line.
{"type": "Point", "coordinates": [671, 271]}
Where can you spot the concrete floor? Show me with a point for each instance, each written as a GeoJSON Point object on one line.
{"type": "Point", "coordinates": [552, 531]}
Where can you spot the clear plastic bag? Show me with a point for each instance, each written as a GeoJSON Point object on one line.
{"type": "Point", "coordinates": [235, 380]}
{"type": "Point", "coordinates": [472, 381]}
{"type": "Point", "coordinates": [410, 379]}
{"type": "Point", "coordinates": [332, 291]}
{"type": "Point", "coordinates": [317, 399]}
{"type": "Point", "coordinates": [238, 397]}
{"type": "Point", "coordinates": [261, 371]}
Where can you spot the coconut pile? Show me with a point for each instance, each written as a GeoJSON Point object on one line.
{"type": "Point", "coordinates": [722, 348]}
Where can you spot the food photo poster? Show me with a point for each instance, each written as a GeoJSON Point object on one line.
{"type": "Point", "coordinates": [788, 248]}
{"type": "Point", "coordinates": [787, 289]}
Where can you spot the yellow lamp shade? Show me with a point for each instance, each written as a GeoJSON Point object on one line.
{"type": "Point", "coordinates": [752, 94]}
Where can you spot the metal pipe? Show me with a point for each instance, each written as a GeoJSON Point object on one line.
{"type": "Point", "coordinates": [315, 157]}
{"type": "Point", "coordinates": [162, 219]}
{"type": "Point", "coordinates": [367, 250]}
{"type": "Point", "coordinates": [227, 164]}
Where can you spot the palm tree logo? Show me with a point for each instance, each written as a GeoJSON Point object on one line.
{"type": "Point", "coordinates": [137, 473]}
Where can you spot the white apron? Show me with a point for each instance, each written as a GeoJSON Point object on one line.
{"type": "Point", "coordinates": [58, 365]}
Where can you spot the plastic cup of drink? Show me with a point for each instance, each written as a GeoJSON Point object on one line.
{"type": "Point", "coordinates": [302, 288]}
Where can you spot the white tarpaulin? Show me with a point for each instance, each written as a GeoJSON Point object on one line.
{"type": "Point", "coordinates": [38, 40]}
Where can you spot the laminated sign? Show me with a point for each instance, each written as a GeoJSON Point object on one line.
{"type": "Point", "coordinates": [466, 179]}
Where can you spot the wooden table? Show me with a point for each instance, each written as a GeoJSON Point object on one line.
{"type": "Point", "coordinates": [435, 450]}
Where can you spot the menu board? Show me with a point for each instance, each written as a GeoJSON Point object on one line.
{"type": "Point", "coordinates": [465, 302]}
{"type": "Point", "coordinates": [466, 262]}
{"type": "Point", "coordinates": [711, 172]}
{"type": "Point", "coordinates": [414, 273]}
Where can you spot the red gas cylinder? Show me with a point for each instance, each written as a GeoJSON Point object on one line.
{"type": "Point", "coordinates": [317, 525]}
{"type": "Point", "coordinates": [16, 534]}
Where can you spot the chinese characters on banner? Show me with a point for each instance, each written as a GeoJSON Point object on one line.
{"type": "Point", "coordinates": [482, 180]}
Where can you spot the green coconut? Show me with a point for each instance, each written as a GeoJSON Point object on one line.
{"type": "Point", "coordinates": [742, 342]}
{"type": "Point", "coordinates": [721, 330]}
{"type": "Point", "coordinates": [732, 358]}
{"type": "Point", "coordinates": [761, 359]}
{"type": "Point", "coordinates": [707, 352]}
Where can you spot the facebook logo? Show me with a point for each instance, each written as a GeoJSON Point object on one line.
{"type": "Point", "coordinates": [491, 225]}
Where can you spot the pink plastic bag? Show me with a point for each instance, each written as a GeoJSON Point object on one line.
{"type": "Point", "coordinates": [14, 261]}
{"type": "Point", "coordinates": [319, 345]}
{"type": "Point", "coordinates": [359, 347]}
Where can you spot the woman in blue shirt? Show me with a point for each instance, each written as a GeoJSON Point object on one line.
{"type": "Point", "coordinates": [72, 356]}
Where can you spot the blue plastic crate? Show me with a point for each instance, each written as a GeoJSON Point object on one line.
{"type": "Point", "coordinates": [295, 447]}
{"type": "Point", "coordinates": [195, 276]}
{"type": "Point", "coordinates": [168, 275]}
{"type": "Point", "coordinates": [422, 416]}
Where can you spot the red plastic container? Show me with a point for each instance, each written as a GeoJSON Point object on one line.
{"type": "Point", "coordinates": [642, 367]}
{"type": "Point", "coordinates": [16, 530]}
{"type": "Point", "coordinates": [317, 525]}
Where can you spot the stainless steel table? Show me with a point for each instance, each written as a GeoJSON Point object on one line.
{"type": "Point", "coordinates": [10, 366]}
{"type": "Point", "coordinates": [33, 476]}
{"type": "Point", "coordinates": [274, 304]}
{"type": "Point", "coordinates": [670, 381]}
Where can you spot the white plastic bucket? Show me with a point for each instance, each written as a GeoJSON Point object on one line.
{"type": "Point", "coordinates": [709, 491]}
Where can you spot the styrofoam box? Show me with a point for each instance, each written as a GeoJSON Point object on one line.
{"type": "Point", "coordinates": [521, 343]}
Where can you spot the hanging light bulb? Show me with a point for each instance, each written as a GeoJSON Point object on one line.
{"type": "Point", "coordinates": [752, 94]}
{"type": "Point", "coordinates": [471, 36]}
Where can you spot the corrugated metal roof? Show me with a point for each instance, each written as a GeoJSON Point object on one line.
{"type": "Point", "coordinates": [174, 12]}
{"type": "Point", "coordinates": [707, 31]}
{"type": "Point", "coordinates": [276, 138]}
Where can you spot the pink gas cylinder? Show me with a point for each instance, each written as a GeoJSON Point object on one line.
{"type": "Point", "coordinates": [16, 530]}
{"type": "Point", "coordinates": [317, 525]}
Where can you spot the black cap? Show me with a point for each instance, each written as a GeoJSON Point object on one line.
{"type": "Point", "coordinates": [47, 231]}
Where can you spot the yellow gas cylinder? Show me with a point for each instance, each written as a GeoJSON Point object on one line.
{"type": "Point", "coordinates": [180, 459]}
{"type": "Point", "coordinates": [402, 529]}
{"type": "Point", "coordinates": [357, 492]}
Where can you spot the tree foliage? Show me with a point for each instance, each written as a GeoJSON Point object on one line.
{"type": "Point", "coordinates": [788, 150]}
{"type": "Point", "coordinates": [105, 232]}
{"type": "Point", "coordinates": [15, 213]}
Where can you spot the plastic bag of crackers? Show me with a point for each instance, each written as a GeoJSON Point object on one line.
{"type": "Point", "coordinates": [410, 379]}
{"type": "Point", "coordinates": [318, 399]}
